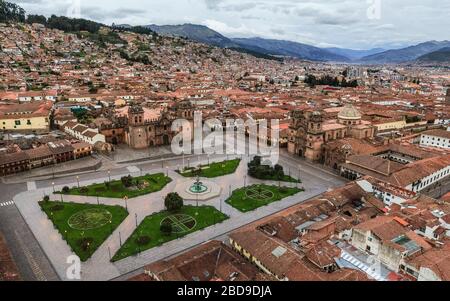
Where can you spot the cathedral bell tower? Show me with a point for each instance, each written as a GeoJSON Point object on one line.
{"type": "Point", "coordinates": [135, 116]}
{"type": "Point", "coordinates": [314, 137]}
{"type": "Point", "coordinates": [137, 136]}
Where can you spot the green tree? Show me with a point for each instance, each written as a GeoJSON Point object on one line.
{"type": "Point", "coordinates": [37, 19]}
{"type": "Point", "coordinates": [127, 181]}
{"type": "Point", "coordinates": [166, 228]}
{"type": "Point", "coordinates": [173, 202]}
{"type": "Point", "coordinates": [11, 12]}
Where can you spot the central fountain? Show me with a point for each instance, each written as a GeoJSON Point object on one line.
{"type": "Point", "coordinates": [198, 190]}
{"type": "Point", "coordinates": [198, 187]}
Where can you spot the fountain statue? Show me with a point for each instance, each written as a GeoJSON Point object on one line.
{"type": "Point", "coordinates": [198, 186]}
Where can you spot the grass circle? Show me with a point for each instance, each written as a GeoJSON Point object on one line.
{"type": "Point", "coordinates": [181, 223]}
{"type": "Point", "coordinates": [255, 194]}
{"type": "Point", "coordinates": [90, 219]}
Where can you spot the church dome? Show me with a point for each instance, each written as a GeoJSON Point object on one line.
{"type": "Point", "coordinates": [349, 112]}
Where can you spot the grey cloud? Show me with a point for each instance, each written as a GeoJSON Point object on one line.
{"type": "Point", "coordinates": [338, 22]}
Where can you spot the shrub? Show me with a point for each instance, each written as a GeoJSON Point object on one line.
{"type": "Point", "coordinates": [65, 189]}
{"type": "Point", "coordinates": [143, 240]}
{"type": "Point", "coordinates": [127, 181]}
{"type": "Point", "coordinates": [166, 229]}
{"type": "Point", "coordinates": [84, 190]}
{"type": "Point", "coordinates": [85, 243]}
{"type": "Point", "coordinates": [173, 202]}
{"type": "Point", "coordinates": [57, 207]}
{"type": "Point", "coordinates": [46, 198]}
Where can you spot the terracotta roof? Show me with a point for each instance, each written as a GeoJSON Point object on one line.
{"type": "Point", "coordinates": [28, 110]}
{"type": "Point", "coordinates": [39, 152]}
{"type": "Point", "coordinates": [438, 260]}
{"type": "Point", "coordinates": [14, 157]}
{"type": "Point", "coordinates": [90, 133]}
{"type": "Point", "coordinates": [211, 260]}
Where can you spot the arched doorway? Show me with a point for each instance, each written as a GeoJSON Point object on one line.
{"type": "Point", "coordinates": [166, 140]}
{"type": "Point", "coordinates": [114, 141]}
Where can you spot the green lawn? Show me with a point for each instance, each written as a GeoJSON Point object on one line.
{"type": "Point", "coordinates": [90, 225]}
{"type": "Point", "coordinates": [156, 182]}
{"type": "Point", "coordinates": [255, 196]}
{"type": "Point", "coordinates": [205, 216]}
{"type": "Point", "coordinates": [216, 169]}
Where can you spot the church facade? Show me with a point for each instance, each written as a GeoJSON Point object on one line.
{"type": "Point", "coordinates": [309, 131]}
{"type": "Point", "coordinates": [141, 133]}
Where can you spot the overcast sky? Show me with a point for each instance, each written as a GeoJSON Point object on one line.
{"type": "Point", "coordinates": [358, 24]}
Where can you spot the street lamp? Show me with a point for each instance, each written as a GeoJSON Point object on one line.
{"type": "Point", "coordinates": [245, 181]}
{"type": "Point", "coordinates": [135, 216]}
{"type": "Point", "coordinates": [120, 239]}
{"type": "Point", "coordinates": [78, 181]}
{"type": "Point", "coordinates": [53, 184]}
{"type": "Point", "coordinates": [189, 161]}
{"type": "Point", "coordinates": [183, 159]}
{"type": "Point", "coordinates": [167, 171]}
{"type": "Point", "coordinates": [126, 203]}
{"type": "Point", "coordinates": [109, 175]}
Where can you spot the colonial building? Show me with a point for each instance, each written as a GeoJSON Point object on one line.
{"type": "Point", "coordinates": [141, 133]}
{"type": "Point", "coordinates": [27, 118]}
{"type": "Point", "coordinates": [436, 138]}
{"type": "Point", "coordinates": [310, 132]}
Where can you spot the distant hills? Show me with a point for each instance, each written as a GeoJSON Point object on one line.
{"type": "Point", "coordinates": [355, 54]}
{"type": "Point", "coordinates": [407, 54]}
{"type": "Point", "coordinates": [203, 34]}
{"type": "Point", "coordinates": [268, 48]}
{"type": "Point", "coordinates": [198, 33]}
{"type": "Point", "coordinates": [439, 56]}
{"type": "Point", "coordinates": [292, 49]}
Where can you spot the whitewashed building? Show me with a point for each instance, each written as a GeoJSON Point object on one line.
{"type": "Point", "coordinates": [436, 138]}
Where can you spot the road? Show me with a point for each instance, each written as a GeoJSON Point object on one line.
{"type": "Point", "coordinates": [31, 261]}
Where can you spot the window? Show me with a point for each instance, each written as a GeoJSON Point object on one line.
{"type": "Point", "coordinates": [17, 122]}
{"type": "Point", "coordinates": [28, 122]}
{"type": "Point", "coordinates": [368, 248]}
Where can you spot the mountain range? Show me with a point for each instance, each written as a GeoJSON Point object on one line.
{"type": "Point", "coordinates": [439, 56]}
{"type": "Point", "coordinates": [272, 47]}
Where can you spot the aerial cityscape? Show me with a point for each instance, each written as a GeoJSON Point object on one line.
{"type": "Point", "coordinates": [223, 140]}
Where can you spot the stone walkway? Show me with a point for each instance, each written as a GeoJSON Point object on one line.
{"type": "Point", "coordinates": [99, 267]}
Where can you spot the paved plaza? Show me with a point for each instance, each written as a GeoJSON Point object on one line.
{"type": "Point", "coordinates": [99, 267]}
